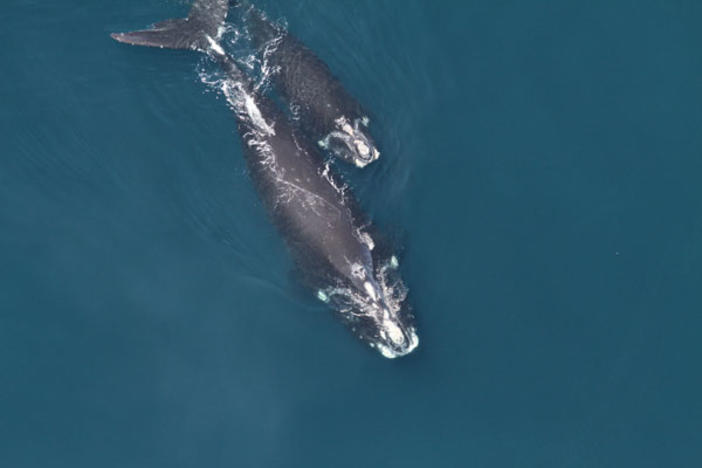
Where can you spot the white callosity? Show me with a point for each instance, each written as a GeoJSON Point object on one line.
{"type": "Point", "coordinates": [358, 147]}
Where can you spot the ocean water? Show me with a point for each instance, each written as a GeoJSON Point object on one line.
{"type": "Point", "coordinates": [540, 174]}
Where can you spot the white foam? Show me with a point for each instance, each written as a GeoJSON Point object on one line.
{"type": "Point", "coordinates": [322, 296]}
{"type": "Point", "coordinates": [215, 46]}
{"type": "Point", "coordinates": [255, 114]}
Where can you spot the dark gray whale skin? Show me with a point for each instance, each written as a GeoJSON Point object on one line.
{"type": "Point", "coordinates": [319, 222]}
{"type": "Point", "coordinates": [320, 101]}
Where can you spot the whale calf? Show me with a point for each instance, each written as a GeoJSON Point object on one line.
{"type": "Point", "coordinates": [326, 111]}
{"type": "Point", "coordinates": [318, 218]}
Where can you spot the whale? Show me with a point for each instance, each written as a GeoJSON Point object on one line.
{"type": "Point", "coordinates": [318, 217]}
{"type": "Point", "coordinates": [326, 111]}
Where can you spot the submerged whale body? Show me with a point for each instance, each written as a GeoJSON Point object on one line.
{"type": "Point", "coordinates": [318, 219]}
{"type": "Point", "coordinates": [326, 111]}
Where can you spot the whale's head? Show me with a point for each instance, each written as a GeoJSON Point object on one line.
{"type": "Point", "coordinates": [376, 310]}
{"type": "Point", "coordinates": [351, 142]}
{"type": "Point", "coordinates": [389, 330]}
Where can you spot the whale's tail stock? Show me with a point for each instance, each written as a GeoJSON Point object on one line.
{"type": "Point", "coordinates": [197, 31]}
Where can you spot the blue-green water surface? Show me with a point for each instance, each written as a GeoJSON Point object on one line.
{"type": "Point", "coordinates": [541, 173]}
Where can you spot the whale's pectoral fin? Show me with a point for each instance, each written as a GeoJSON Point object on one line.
{"type": "Point", "coordinates": [170, 34]}
{"type": "Point", "coordinates": [204, 20]}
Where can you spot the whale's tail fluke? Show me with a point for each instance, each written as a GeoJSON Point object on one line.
{"type": "Point", "coordinates": [197, 31]}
